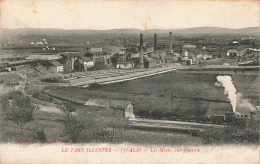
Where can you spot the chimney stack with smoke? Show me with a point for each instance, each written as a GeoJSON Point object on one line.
{"type": "Point", "coordinates": [170, 47]}
{"type": "Point", "coordinates": [155, 43]}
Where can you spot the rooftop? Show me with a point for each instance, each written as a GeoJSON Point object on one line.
{"type": "Point", "coordinates": [86, 58]}
{"type": "Point", "coordinates": [189, 46]}
{"type": "Point", "coordinates": [55, 63]}
{"type": "Point", "coordinates": [71, 54]}
{"type": "Point", "coordinates": [118, 104]}
{"type": "Point", "coordinates": [232, 51]}
{"type": "Point", "coordinates": [95, 50]}
{"type": "Point", "coordinates": [43, 57]}
{"type": "Point", "coordinates": [148, 59]}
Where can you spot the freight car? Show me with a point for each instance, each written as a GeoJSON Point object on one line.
{"type": "Point", "coordinates": [209, 119]}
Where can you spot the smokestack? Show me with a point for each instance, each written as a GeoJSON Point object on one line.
{"type": "Point", "coordinates": [141, 61]}
{"type": "Point", "coordinates": [141, 42]}
{"type": "Point", "coordinates": [155, 43]}
{"type": "Point", "coordinates": [180, 49]}
{"type": "Point", "coordinates": [170, 47]}
{"type": "Point", "coordinates": [251, 114]}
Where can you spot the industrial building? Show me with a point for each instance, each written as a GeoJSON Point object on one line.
{"type": "Point", "coordinates": [98, 57]}
{"type": "Point", "coordinates": [53, 66]}
{"type": "Point", "coordinates": [149, 62]}
{"type": "Point", "coordinates": [69, 61]}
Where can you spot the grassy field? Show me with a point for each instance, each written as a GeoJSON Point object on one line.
{"type": "Point", "coordinates": [53, 128]}
{"type": "Point", "coordinates": [49, 122]}
{"type": "Point", "coordinates": [134, 136]}
{"type": "Point", "coordinates": [190, 91]}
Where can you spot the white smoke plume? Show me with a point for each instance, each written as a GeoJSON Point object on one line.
{"type": "Point", "coordinates": [244, 103]}
{"type": "Point", "coordinates": [229, 89]}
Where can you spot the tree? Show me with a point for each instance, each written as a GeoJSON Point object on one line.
{"type": "Point", "coordinates": [68, 107]}
{"type": "Point", "coordinates": [102, 125]}
{"type": "Point", "coordinates": [113, 122]}
{"type": "Point", "coordinates": [73, 126]}
{"type": "Point", "coordinates": [18, 108]}
{"type": "Point", "coordinates": [236, 131]}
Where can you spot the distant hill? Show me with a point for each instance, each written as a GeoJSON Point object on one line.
{"type": "Point", "coordinates": [195, 30]}
{"type": "Point", "coordinates": [208, 30]}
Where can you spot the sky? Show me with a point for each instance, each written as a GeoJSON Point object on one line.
{"type": "Point", "coordinates": [140, 14]}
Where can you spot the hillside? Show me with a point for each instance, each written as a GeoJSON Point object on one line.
{"type": "Point", "coordinates": [195, 30]}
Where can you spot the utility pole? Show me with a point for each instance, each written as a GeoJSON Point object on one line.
{"type": "Point", "coordinates": [172, 100]}
{"type": "Point", "coordinates": [70, 93]}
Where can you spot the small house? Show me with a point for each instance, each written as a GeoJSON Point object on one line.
{"type": "Point", "coordinates": [124, 65]}
{"type": "Point", "coordinates": [186, 61]}
{"type": "Point", "coordinates": [232, 53]}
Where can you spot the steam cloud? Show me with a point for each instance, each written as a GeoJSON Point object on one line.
{"type": "Point", "coordinates": [244, 103]}
{"type": "Point", "coordinates": [229, 89]}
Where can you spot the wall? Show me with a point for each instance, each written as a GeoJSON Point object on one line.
{"type": "Point", "coordinates": [125, 66]}
{"type": "Point", "coordinates": [88, 65]}
{"type": "Point", "coordinates": [129, 111]}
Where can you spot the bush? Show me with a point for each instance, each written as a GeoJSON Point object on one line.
{"type": "Point", "coordinates": [95, 86]}
{"type": "Point", "coordinates": [143, 113]}
{"type": "Point", "coordinates": [73, 127]}
{"type": "Point", "coordinates": [55, 79]}
{"type": "Point", "coordinates": [238, 131]}
{"type": "Point", "coordinates": [170, 115]}
{"type": "Point", "coordinates": [156, 114]}
{"type": "Point", "coordinates": [40, 136]}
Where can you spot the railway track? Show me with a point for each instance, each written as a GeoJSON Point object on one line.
{"type": "Point", "coordinates": [171, 125]}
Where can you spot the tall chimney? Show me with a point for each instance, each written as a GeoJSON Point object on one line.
{"type": "Point", "coordinates": [180, 49]}
{"type": "Point", "coordinates": [155, 43]}
{"type": "Point", "coordinates": [141, 61]}
{"type": "Point", "coordinates": [170, 47]}
{"type": "Point", "coordinates": [141, 42]}
{"type": "Point", "coordinates": [251, 114]}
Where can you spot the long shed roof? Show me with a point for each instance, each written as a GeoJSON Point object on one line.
{"type": "Point", "coordinates": [43, 57]}
{"type": "Point", "coordinates": [105, 103]}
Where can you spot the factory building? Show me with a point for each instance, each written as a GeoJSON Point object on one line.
{"type": "Point", "coordinates": [69, 59]}
{"type": "Point", "coordinates": [98, 57]}
{"type": "Point", "coordinates": [149, 62]}
{"type": "Point", "coordinates": [54, 66]}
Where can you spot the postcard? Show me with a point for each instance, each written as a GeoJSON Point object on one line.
{"type": "Point", "coordinates": [133, 81]}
